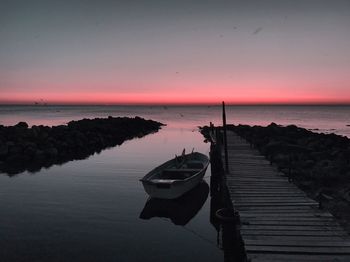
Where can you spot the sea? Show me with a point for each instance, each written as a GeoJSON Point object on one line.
{"type": "Point", "coordinates": [91, 209]}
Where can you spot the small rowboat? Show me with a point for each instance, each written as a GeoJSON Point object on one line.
{"type": "Point", "coordinates": [176, 176]}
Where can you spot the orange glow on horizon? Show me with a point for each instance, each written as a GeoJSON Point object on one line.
{"type": "Point", "coordinates": [169, 98]}
{"type": "Point", "coordinates": [253, 87]}
{"type": "Point", "coordinates": [253, 91]}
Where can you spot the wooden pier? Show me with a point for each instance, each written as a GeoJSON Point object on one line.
{"type": "Point", "coordinates": [278, 222]}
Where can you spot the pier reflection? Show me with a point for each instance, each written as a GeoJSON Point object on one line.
{"type": "Point", "coordinates": [181, 210]}
{"type": "Point", "coordinates": [224, 219]}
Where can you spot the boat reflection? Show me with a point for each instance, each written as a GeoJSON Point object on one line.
{"type": "Point", "coordinates": [181, 210]}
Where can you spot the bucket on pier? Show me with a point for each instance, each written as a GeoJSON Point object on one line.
{"type": "Point", "coordinates": [228, 215]}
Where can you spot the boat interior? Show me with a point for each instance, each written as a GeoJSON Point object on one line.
{"type": "Point", "coordinates": [178, 173]}
{"type": "Point", "coordinates": [186, 170]}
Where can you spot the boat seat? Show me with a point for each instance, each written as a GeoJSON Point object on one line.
{"type": "Point", "coordinates": [194, 164]}
{"type": "Point", "coordinates": [165, 181]}
{"type": "Point", "coordinates": [181, 173]}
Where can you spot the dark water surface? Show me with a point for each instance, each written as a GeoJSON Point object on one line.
{"type": "Point", "coordinates": [89, 210]}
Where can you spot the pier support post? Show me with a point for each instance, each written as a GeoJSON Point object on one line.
{"type": "Point", "coordinates": [225, 136]}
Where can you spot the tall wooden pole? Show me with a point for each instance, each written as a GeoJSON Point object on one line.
{"type": "Point", "coordinates": [225, 135]}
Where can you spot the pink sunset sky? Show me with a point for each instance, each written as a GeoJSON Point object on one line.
{"type": "Point", "coordinates": [164, 52]}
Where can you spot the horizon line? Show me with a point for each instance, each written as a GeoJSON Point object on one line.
{"type": "Point", "coordinates": [176, 104]}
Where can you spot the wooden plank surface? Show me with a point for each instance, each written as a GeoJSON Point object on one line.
{"type": "Point", "coordinates": [278, 257]}
{"type": "Point", "coordinates": [279, 222]}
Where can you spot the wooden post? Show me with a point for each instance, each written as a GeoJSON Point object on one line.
{"type": "Point", "coordinates": [211, 128]}
{"type": "Point", "coordinates": [225, 136]}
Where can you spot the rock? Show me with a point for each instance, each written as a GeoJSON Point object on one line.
{"type": "Point", "coordinates": [281, 159]}
{"type": "Point", "coordinates": [30, 151]}
{"type": "Point", "coordinates": [15, 150]}
{"type": "Point", "coordinates": [306, 184]}
{"type": "Point", "coordinates": [43, 135]}
{"type": "Point", "coordinates": [35, 131]}
{"type": "Point", "coordinates": [309, 163]}
{"type": "Point", "coordinates": [325, 163]}
{"type": "Point", "coordinates": [3, 150]}
{"type": "Point", "coordinates": [39, 156]}
{"type": "Point", "coordinates": [51, 152]}
{"type": "Point", "coordinates": [345, 194]}
{"type": "Point", "coordinates": [273, 124]}
{"type": "Point", "coordinates": [22, 125]}
{"type": "Point", "coordinates": [316, 155]}
{"type": "Point", "coordinates": [273, 148]}
{"type": "Point", "coordinates": [10, 143]}
{"type": "Point", "coordinates": [16, 160]}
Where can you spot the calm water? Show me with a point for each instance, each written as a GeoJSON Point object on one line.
{"type": "Point", "coordinates": [89, 210]}
{"type": "Point", "coordinates": [323, 118]}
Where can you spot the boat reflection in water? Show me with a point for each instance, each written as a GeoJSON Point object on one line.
{"type": "Point", "coordinates": [181, 210]}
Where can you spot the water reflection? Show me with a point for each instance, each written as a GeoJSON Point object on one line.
{"type": "Point", "coordinates": [226, 226]}
{"type": "Point", "coordinates": [181, 210]}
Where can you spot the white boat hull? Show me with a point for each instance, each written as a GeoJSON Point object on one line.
{"type": "Point", "coordinates": [172, 188]}
{"type": "Point", "coordinates": [174, 191]}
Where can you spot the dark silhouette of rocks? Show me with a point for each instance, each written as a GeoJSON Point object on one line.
{"type": "Point", "coordinates": [23, 148]}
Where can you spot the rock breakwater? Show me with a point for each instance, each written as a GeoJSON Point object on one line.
{"type": "Point", "coordinates": [31, 148]}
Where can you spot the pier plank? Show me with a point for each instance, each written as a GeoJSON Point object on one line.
{"type": "Point", "coordinates": [297, 243]}
{"type": "Point", "coordinates": [300, 250]}
{"type": "Point", "coordinates": [271, 257]}
{"type": "Point", "coordinates": [282, 233]}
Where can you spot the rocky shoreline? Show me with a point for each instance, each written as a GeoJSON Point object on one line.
{"type": "Point", "coordinates": [318, 163]}
{"type": "Point", "coordinates": [32, 148]}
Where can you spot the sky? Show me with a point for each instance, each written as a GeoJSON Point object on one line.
{"type": "Point", "coordinates": [163, 52]}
